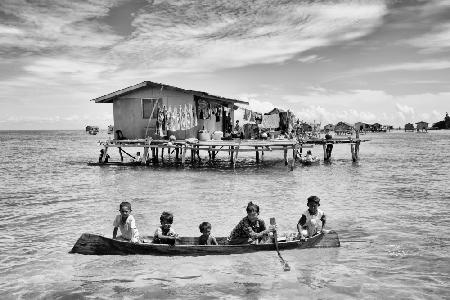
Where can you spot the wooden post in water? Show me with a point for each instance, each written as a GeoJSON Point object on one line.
{"type": "Point", "coordinates": [145, 154]}
{"type": "Point", "coordinates": [257, 154]}
{"type": "Point", "coordinates": [285, 156]}
{"type": "Point", "coordinates": [355, 148]}
{"type": "Point", "coordinates": [183, 154]}
{"type": "Point", "coordinates": [294, 156]}
{"type": "Point", "coordinates": [232, 155]}
{"type": "Point", "coordinates": [325, 158]}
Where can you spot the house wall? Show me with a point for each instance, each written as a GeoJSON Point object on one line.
{"type": "Point", "coordinates": [128, 114]}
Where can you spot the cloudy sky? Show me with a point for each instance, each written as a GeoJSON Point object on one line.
{"type": "Point", "coordinates": [328, 61]}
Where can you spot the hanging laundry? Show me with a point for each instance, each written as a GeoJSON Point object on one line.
{"type": "Point", "coordinates": [194, 117]}
{"type": "Point", "coordinates": [160, 120]}
{"type": "Point", "coordinates": [218, 114]}
{"type": "Point", "coordinates": [164, 120]}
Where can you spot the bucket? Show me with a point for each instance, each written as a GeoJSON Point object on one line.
{"type": "Point", "coordinates": [217, 135]}
{"type": "Point", "coordinates": [204, 136]}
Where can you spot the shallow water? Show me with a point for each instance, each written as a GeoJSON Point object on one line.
{"type": "Point", "coordinates": [391, 210]}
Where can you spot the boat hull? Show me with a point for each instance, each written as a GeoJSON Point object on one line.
{"type": "Point", "coordinates": [92, 244]}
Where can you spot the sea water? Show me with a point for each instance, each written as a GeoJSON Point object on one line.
{"type": "Point", "coordinates": [391, 210]}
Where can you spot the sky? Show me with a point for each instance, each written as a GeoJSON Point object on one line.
{"type": "Point", "coordinates": [327, 61]}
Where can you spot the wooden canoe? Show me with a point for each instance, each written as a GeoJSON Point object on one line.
{"type": "Point", "coordinates": [92, 244]}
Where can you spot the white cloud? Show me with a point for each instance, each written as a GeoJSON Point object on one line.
{"type": "Point", "coordinates": [438, 40]}
{"type": "Point", "coordinates": [212, 36]}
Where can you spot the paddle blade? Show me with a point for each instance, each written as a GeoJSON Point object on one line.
{"type": "Point", "coordinates": [286, 267]}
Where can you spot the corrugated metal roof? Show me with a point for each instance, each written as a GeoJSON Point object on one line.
{"type": "Point", "coordinates": [109, 98]}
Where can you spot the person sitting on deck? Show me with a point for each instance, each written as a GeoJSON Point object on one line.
{"type": "Point", "coordinates": [250, 229]}
{"type": "Point", "coordinates": [206, 238]}
{"type": "Point", "coordinates": [100, 157]}
{"type": "Point", "coordinates": [126, 223]}
{"type": "Point", "coordinates": [312, 220]}
{"type": "Point", "coordinates": [237, 131]}
{"type": "Point", "coordinates": [309, 157]}
{"type": "Point", "coordinates": [138, 157]}
{"type": "Point", "coordinates": [165, 234]}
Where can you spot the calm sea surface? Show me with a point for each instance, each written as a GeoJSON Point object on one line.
{"type": "Point", "coordinates": [391, 210]}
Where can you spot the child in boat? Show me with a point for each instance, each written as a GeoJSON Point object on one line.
{"type": "Point", "coordinates": [126, 223]}
{"type": "Point", "coordinates": [312, 220]}
{"type": "Point", "coordinates": [165, 233]}
{"type": "Point", "coordinates": [250, 229]}
{"type": "Point", "coordinates": [206, 238]}
{"type": "Point", "coordinates": [138, 157]}
{"type": "Point", "coordinates": [309, 156]}
{"type": "Point", "coordinates": [100, 157]}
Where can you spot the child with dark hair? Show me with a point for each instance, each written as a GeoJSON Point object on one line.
{"type": "Point", "coordinates": [206, 238]}
{"type": "Point", "coordinates": [165, 234]}
{"type": "Point", "coordinates": [126, 223]}
{"type": "Point", "coordinates": [100, 157]}
{"type": "Point", "coordinates": [312, 220]}
{"type": "Point", "coordinates": [250, 229]}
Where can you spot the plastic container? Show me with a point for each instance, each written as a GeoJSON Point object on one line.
{"type": "Point", "coordinates": [204, 136]}
{"type": "Point", "coordinates": [217, 135]}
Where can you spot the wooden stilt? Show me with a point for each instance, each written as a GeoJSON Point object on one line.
{"type": "Point", "coordinates": [210, 153]}
{"type": "Point", "coordinates": [156, 154]}
{"type": "Point", "coordinates": [162, 154]}
{"type": "Point", "coordinates": [177, 153]}
{"type": "Point", "coordinates": [285, 156]}
{"type": "Point", "coordinates": [325, 151]}
{"type": "Point", "coordinates": [183, 154]}
{"type": "Point", "coordinates": [145, 155]}
{"type": "Point", "coordinates": [257, 154]}
{"type": "Point", "coordinates": [294, 156]}
{"type": "Point", "coordinates": [235, 157]}
{"type": "Point", "coordinates": [232, 154]}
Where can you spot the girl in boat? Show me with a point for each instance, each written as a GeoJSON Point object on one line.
{"type": "Point", "coordinates": [165, 234]}
{"type": "Point", "coordinates": [206, 238]}
{"type": "Point", "coordinates": [312, 220]}
{"type": "Point", "coordinates": [126, 223]}
{"type": "Point", "coordinates": [250, 229]}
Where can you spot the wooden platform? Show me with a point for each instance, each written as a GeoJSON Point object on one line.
{"type": "Point", "coordinates": [153, 150]}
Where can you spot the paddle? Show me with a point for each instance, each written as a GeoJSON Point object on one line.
{"type": "Point", "coordinates": [286, 266]}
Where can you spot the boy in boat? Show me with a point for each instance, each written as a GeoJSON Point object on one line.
{"type": "Point", "coordinates": [206, 238]}
{"type": "Point", "coordinates": [100, 157]}
{"type": "Point", "coordinates": [312, 220]}
{"type": "Point", "coordinates": [138, 157]}
{"type": "Point", "coordinates": [250, 229]}
{"type": "Point", "coordinates": [126, 223]}
{"type": "Point", "coordinates": [165, 234]}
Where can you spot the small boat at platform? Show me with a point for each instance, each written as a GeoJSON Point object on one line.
{"type": "Point", "coordinates": [93, 244]}
{"type": "Point", "coordinates": [311, 161]}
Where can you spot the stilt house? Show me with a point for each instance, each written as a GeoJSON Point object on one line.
{"type": "Point", "coordinates": [422, 126]}
{"type": "Point", "coordinates": [409, 127]}
{"type": "Point", "coordinates": [343, 128]}
{"type": "Point", "coordinates": [150, 109]}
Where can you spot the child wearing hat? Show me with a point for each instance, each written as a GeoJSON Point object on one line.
{"type": "Point", "coordinates": [312, 220]}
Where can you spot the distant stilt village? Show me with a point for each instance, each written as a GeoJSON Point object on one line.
{"type": "Point", "coordinates": [165, 120]}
